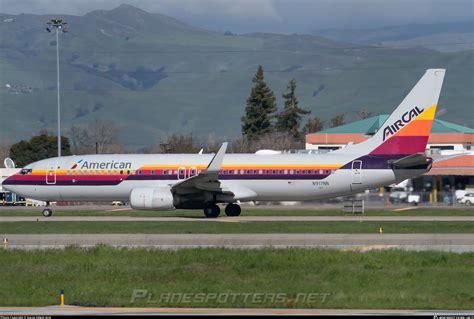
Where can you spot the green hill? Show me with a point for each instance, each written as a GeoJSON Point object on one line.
{"type": "Point", "coordinates": [153, 75]}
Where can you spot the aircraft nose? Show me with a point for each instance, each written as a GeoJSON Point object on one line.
{"type": "Point", "coordinates": [8, 184]}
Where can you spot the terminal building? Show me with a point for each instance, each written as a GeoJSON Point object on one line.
{"type": "Point", "coordinates": [445, 139]}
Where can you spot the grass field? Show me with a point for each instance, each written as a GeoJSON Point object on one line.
{"type": "Point", "coordinates": [104, 276]}
{"type": "Point", "coordinates": [214, 227]}
{"type": "Point", "coordinates": [5, 211]}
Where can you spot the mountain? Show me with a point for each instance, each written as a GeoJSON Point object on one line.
{"type": "Point", "coordinates": [444, 37]}
{"type": "Point", "coordinates": [153, 75]}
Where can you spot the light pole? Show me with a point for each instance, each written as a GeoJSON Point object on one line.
{"type": "Point", "coordinates": [59, 25]}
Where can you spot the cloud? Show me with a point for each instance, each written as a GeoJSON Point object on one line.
{"type": "Point", "coordinates": [270, 15]}
{"type": "Point", "coordinates": [230, 9]}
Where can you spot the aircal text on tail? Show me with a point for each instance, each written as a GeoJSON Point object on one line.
{"type": "Point", "coordinates": [391, 129]}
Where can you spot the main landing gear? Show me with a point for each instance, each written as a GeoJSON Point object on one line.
{"type": "Point", "coordinates": [213, 211]}
{"type": "Point", "coordinates": [232, 210]}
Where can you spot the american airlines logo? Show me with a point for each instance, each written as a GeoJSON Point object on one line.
{"type": "Point", "coordinates": [102, 165]}
{"type": "Point", "coordinates": [405, 119]}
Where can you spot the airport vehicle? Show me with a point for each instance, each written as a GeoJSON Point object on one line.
{"type": "Point", "coordinates": [467, 199]}
{"type": "Point", "coordinates": [403, 193]}
{"type": "Point", "coordinates": [11, 199]}
{"type": "Point", "coordinates": [201, 181]}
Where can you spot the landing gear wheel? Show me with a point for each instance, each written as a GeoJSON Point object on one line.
{"type": "Point", "coordinates": [47, 212]}
{"type": "Point", "coordinates": [232, 210]}
{"type": "Point", "coordinates": [212, 211]}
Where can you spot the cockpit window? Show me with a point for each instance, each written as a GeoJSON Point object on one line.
{"type": "Point", "coordinates": [25, 171]}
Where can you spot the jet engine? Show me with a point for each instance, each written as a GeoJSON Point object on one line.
{"type": "Point", "coordinates": [158, 198]}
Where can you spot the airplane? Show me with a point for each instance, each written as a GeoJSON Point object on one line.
{"type": "Point", "coordinates": [201, 181]}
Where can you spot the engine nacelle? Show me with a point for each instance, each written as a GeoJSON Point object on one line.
{"type": "Point", "coordinates": [159, 198]}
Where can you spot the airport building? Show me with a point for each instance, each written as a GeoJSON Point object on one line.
{"type": "Point", "coordinates": [445, 139]}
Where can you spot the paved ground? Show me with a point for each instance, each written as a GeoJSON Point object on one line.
{"type": "Point", "coordinates": [70, 310]}
{"type": "Point", "coordinates": [288, 206]}
{"type": "Point", "coordinates": [359, 242]}
{"type": "Point", "coordinates": [235, 219]}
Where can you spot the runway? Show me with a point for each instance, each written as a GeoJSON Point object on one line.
{"type": "Point", "coordinates": [235, 219]}
{"type": "Point", "coordinates": [356, 242]}
{"type": "Point", "coordinates": [71, 310]}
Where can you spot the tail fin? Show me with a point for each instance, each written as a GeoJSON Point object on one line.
{"type": "Point", "coordinates": [407, 129]}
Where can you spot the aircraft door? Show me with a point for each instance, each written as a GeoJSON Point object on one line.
{"type": "Point", "coordinates": [51, 173]}
{"type": "Point", "coordinates": [182, 173]}
{"type": "Point", "coordinates": [357, 172]}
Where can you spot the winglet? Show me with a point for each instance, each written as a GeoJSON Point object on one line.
{"type": "Point", "coordinates": [216, 162]}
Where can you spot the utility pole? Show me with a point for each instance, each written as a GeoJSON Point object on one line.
{"type": "Point", "coordinates": [59, 25]}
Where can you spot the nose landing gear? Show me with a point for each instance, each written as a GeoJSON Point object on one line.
{"type": "Point", "coordinates": [47, 212]}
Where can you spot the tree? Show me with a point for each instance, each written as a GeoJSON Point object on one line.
{"type": "Point", "coordinates": [37, 148]}
{"type": "Point", "coordinates": [338, 120]}
{"type": "Point", "coordinates": [261, 104]}
{"type": "Point", "coordinates": [100, 137]}
{"type": "Point", "coordinates": [278, 141]}
{"type": "Point", "coordinates": [289, 119]}
{"type": "Point", "coordinates": [4, 152]}
{"type": "Point", "coordinates": [364, 113]}
{"type": "Point", "coordinates": [175, 143]}
{"type": "Point", "coordinates": [313, 125]}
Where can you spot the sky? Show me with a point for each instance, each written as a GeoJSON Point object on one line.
{"type": "Point", "coordinates": [287, 16]}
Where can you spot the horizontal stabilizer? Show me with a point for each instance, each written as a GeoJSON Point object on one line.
{"type": "Point", "coordinates": [411, 161]}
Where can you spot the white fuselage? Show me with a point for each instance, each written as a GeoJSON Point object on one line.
{"type": "Point", "coordinates": [281, 177]}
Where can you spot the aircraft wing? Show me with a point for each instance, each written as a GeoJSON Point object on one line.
{"type": "Point", "coordinates": [440, 158]}
{"type": "Point", "coordinates": [207, 180]}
